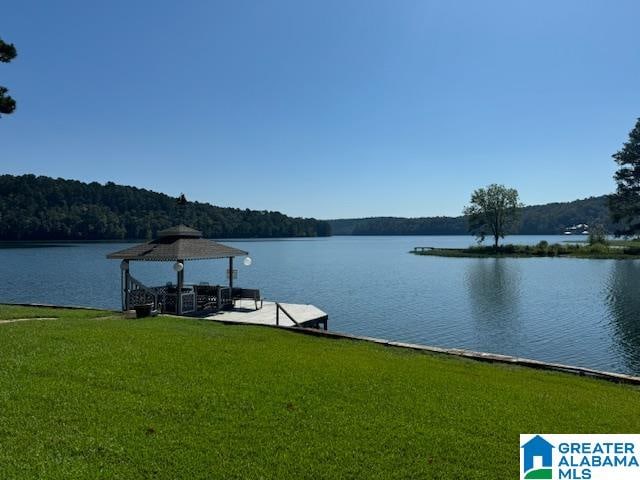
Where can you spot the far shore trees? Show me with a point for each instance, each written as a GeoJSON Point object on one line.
{"type": "Point", "coordinates": [493, 212]}
{"type": "Point", "coordinates": [624, 205]}
{"type": "Point", "coordinates": [43, 208]}
{"type": "Point", "coordinates": [7, 53]}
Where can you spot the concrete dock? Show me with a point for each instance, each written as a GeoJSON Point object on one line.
{"type": "Point", "coordinates": [273, 313]}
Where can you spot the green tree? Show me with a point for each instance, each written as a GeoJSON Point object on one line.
{"type": "Point", "coordinates": [598, 235]}
{"type": "Point", "coordinates": [7, 53]}
{"type": "Point", "coordinates": [492, 212]}
{"type": "Point", "coordinates": [624, 205]}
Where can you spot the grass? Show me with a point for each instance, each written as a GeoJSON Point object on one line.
{"type": "Point", "coordinates": [619, 242]}
{"type": "Point", "coordinates": [542, 249]}
{"type": "Point", "coordinates": [91, 395]}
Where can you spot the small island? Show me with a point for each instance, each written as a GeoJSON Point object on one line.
{"type": "Point", "coordinates": [494, 212]}
{"type": "Point", "coordinates": [617, 249]}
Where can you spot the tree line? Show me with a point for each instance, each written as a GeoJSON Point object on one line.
{"type": "Point", "coordinates": [548, 219]}
{"type": "Point", "coordinates": [43, 208]}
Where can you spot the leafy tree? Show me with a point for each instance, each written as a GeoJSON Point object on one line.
{"type": "Point", "coordinates": [493, 211]}
{"type": "Point", "coordinates": [598, 235]}
{"type": "Point", "coordinates": [7, 53]}
{"type": "Point", "coordinates": [624, 205]}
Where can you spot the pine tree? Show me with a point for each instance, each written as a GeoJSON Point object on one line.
{"type": "Point", "coordinates": [624, 205]}
{"type": "Point", "coordinates": [7, 53]}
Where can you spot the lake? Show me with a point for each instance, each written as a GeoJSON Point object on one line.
{"type": "Point", "coordinates": [573, 311]}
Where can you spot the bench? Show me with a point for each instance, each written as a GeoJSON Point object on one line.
{"type": "Point", "coordinates": [247, 294]}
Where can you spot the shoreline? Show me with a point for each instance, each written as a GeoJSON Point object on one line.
{"type": "Point", "coordinates": [486, 357]}
{"type": "Point", "coordinates": [596, 252]}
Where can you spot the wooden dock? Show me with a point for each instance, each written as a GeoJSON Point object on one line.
{"type": "Point", "coordinates": [422, 249]}
{"type": "Point", "coordinates": [274, 313]}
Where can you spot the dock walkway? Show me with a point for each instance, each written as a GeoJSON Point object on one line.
{"type": "Point", "coordinates": [273, 313]}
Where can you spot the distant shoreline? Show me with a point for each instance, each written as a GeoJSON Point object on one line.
{"type": "Point", "coordinates": [542, 250]}
{"type": "Point", "coordinates": [579, 238]}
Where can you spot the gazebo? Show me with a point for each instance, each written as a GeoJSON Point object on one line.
{"type": "Point", "coordinates": [179, 244]}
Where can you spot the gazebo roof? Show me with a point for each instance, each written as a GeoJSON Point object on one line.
{"type": "Point", "coordinates": [177, 243]}
{"type": "Point", "coordinates": [180, 231]}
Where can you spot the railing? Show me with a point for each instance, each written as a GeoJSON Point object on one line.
{"type": "Point", "coordinates": [163, 298]}
{"type": "Point", "coordinates": [280, 307]}
{"type": "Point", "coordinates": [138, 293]}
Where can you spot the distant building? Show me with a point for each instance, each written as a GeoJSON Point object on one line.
{"type": "Point", "coordinates": [579, 229]}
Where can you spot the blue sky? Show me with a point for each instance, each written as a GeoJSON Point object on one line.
{"type": "Point", "coordinates": [327, 108]}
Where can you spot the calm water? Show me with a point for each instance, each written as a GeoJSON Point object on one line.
{"type": "Point", "coordinates": [579, 312]}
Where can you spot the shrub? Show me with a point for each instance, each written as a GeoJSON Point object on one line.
{"type": "Point", "coordinates": [598, 235]}
{"type": "Point", "coordinates": [598, 248]}
{"type": "Point", "coordinates": [510, 248]}
{"type": "Point", "coordinates": [554, 249]}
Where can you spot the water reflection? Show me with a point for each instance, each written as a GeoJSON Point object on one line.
{"type": "Point", "coordinates": [623, 300]}
{"type": "Point", "coordinates": [493, 285]}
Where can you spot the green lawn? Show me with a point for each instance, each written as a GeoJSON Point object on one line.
{"type": "Point", "coordinates": [91, 395]}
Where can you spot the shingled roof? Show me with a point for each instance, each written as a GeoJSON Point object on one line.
{"type": "Point", "coordinates": [177, 243]}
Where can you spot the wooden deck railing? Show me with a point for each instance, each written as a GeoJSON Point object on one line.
{"type": "Point", "coordinates": [138, 293]}
{"type": "Point", "coordinates": [280, 307]}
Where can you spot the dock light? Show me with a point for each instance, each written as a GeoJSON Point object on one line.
{"type": "Point", "coordinates": [247, 261]}
{"type": "Point", "coordinates": [124, 266]}
{"type": "Point", "coordinates": [178, 267]}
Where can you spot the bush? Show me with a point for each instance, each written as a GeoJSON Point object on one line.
{"type": "Point", "coordinates": [542, 245]}
{"type": "Point", "coordinates": [598, 248]}
{"type": "Point", "coordinates": [598, 235]}
{"type": "Point", "coordinates": [555, 249]}
{"type": "Point", "coordinates": [508, 248]}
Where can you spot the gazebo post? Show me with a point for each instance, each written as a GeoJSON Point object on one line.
{"type": "Point", "coordinates": [179, 292]}
{"type": "Point", "coordinates": [126, 286]}
{"type": "Point", "coordinates": [231, 276]}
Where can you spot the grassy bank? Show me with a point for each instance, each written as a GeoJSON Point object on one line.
{"type": "Point", "coordinates": [543, 249]}
{"type": "Point", "coordinates": [615, 242]}
{"type": "Point", "coordinates": [92, 395]}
